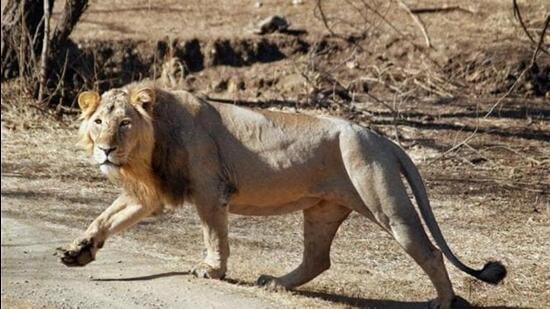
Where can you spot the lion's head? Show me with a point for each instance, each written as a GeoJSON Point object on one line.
{"type": "Point", "coordinates": [117, 129]}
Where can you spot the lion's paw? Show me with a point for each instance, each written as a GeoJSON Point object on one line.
{"type": "Point", "coordinates": [203, 270]}
{"type": "Point", "coordinates": [435, 304]}
{"type": "Point", "coordinates": [455, 303]}
{"type": "Point", "coordinates": [79, 253]}
{"type": "Point", "coordinates": [270, 283]}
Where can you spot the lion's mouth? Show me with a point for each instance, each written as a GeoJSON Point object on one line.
{"type": "Point", "coordinates": [109, 168]}
{"type": "Point", "coordinates": [109, 163]}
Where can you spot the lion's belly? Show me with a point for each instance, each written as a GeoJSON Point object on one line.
{"type": "Point", "coordinates": [273, 209]}
{"type": "Point", "coordinates": [283, 181]}
{"type": "Point", "coordinates": [272, 190]}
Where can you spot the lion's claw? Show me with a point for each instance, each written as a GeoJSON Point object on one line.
{"type": "Point", "coordinates": [79, 254]}
{"type": "Point", "coordinates": [270, 283]}
{"type": "Point", "coordinates": [203, 270]}
{"type": "Point", "coordinates": [456, 302]}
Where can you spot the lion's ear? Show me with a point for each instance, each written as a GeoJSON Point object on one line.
{"type": "Point", "coordinates": [145, 98]}
{"type": "Point", "coordinates": [88, 101]}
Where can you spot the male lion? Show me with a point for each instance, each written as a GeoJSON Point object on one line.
{"type": "Point", "coordinates": [165, 148]}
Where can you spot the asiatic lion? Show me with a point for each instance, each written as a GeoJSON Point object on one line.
{"type": "Point", "coordinates": [165, 148]}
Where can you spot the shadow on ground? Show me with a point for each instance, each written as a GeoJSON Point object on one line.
{"type": "Point", "coordinates": [348, 301]}
{"type": "Point", "coordinates": [358, 302]}
{"type": "Point", "coordinates": [145, 278]}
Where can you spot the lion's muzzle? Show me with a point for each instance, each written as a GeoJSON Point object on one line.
{"type": "Point", "coordinates": [108, 158]}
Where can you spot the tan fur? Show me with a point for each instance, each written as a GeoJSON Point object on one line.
{"type": "Point", "coordinates": [224, 158]}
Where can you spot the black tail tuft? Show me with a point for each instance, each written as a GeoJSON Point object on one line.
{"type": "Point", "coordinates": [492, 272]}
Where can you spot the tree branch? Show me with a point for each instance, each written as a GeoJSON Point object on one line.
{"type": "Point", "coordinates": [517, 14]}
{"type": "Point", "coordinates": [44, 54]}
{"type": "Point", "coordinates": [418, 22]}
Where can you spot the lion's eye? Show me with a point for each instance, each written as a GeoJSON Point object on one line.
{"type": "Point", "coordinates": [98, 121]}
{"type": "Point", "coordinates": [124, 123]}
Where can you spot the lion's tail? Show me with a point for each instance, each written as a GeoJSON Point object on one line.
{"type": "Point", "coordinates": [493, 272]}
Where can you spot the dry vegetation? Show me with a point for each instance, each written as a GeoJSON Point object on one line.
{"type": "Point", "coordinates": [484, 150]}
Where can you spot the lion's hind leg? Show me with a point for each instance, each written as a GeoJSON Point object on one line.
{"type": "Point", "coordinates": [409, 233]}
{"type": "Point", "coordinates": [320, 225]}
{"type": "Point", "coordinates": [384, 194]}
{"type": "Point", "coordinates": [375, 175]}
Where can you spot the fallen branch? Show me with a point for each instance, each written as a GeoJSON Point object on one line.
{"type": "Point", "coordinates": [418, 22]}
{"type": "Point", "coordinates": [443, 9]}
{"type": "Point", "coordinates": [457, 146]}
{"type": "Point", "coordinates": [440, 92]}
{"type": "Point", "coordinates": [254, 102]}
{"type": "Point", "coordinates": [325, 20]}
{"type": "Point", "coordinates": [517, 14]}
{"type": "Point", "coordinates": [519, 154]}
{"type": "Point", "coordinates": [541, 41]}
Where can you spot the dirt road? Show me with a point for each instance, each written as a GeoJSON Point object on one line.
{"type": "Point", "coordinates": [32, 277]}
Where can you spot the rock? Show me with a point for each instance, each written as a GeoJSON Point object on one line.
{"type": "Point", "coordinates": [272, 24]}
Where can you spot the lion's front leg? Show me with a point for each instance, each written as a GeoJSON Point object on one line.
{"type": "Point", "coordinates": [210, 195]}
{"type": "Point", "coordinates": [123, 213]}
{"type": "Point", "coordinates": [214, 227]}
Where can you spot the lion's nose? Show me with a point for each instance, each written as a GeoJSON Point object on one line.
{"type": "Point", "coordinates": [106, 149]}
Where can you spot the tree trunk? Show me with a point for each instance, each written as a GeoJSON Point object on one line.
{"type": "Point", "coordinates": [44, 54]}
{"type": "Point", "coordinates": [22, 36]}
{"type": "Point", "coordinates": [56, 61]}
{"type": "Point", "coordinates": [71, 14]}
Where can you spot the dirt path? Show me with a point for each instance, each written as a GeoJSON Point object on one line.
{"type": "Point", "coordinates": [32, 276]}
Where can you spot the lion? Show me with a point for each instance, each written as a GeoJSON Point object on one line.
{"type": "Point", "coordinates": [165, 148]}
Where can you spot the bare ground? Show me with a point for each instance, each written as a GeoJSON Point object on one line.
{"type": "Point", "coordinates": [125, 277]}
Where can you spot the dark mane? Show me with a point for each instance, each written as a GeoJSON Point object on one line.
{"type": "Point", "coordinates": [170, 158]}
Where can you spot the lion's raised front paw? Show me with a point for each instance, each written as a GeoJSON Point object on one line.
{"type": "Point", "coordinates": [79, 253]}
{"type": "Point", "coordinates": [270, 283]}
{"type": "Point", "coordinates": [203, 270]}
